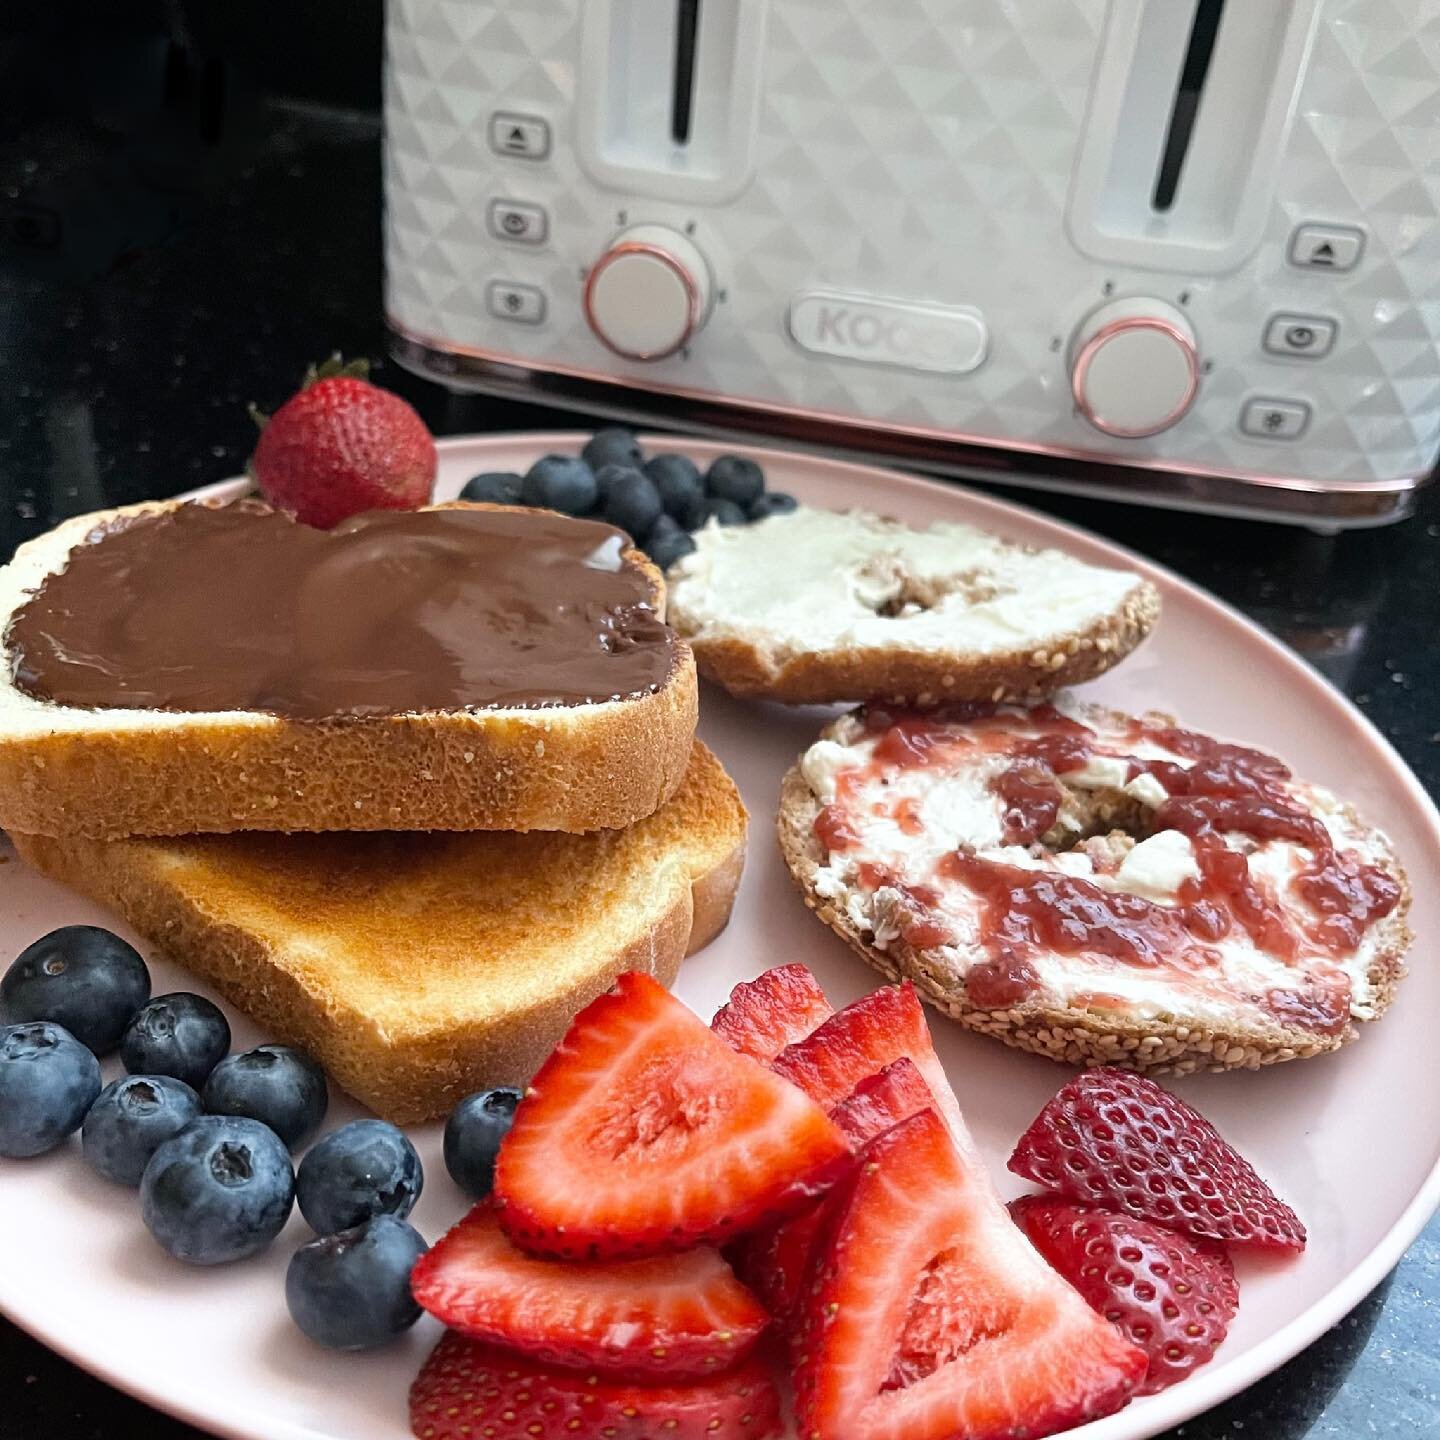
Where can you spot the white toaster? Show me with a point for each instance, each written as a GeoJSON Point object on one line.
{"type": "Point", "coordinates": [1183, 252]}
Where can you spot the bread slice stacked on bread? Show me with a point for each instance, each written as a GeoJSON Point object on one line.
{"type": "Point", "coordinates": [69, 769]}
{"type": "Point", "coordinates": [422, 897]}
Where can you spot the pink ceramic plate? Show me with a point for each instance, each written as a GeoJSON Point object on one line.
{"type": "Point", "coordinates": [1352, 1140]}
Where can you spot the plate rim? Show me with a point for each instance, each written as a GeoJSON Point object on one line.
{"type": "Point", "coordinates": [1170, 1408]}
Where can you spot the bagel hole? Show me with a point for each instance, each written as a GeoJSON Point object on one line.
{"type": "Point", "coordinates": [893, 593]}
{"type": "Point", "coordinates": [1105, 822]}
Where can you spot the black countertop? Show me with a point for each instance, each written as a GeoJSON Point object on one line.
{"type": "Point", "coordinates": [156, 275]}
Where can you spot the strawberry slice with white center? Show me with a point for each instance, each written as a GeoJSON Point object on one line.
{"type": "Point", "coordinates": [469, 1391]}
{"type": "Point", "coordinates": [644, 1133]}
{"type": "Point", "coordinates": [774, 1010]}
{"type": "Point", "coordinates": [775, 1262]}
{"type": "Point", "coordinates": [674, 1317]}
{"type": "Point", "coordinates": [928, 1315]}
{"type": "Point", "coordinates": [862, 1039]}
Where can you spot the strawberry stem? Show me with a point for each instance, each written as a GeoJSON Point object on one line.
{"type": "Point", "coordinates": [335, 368]}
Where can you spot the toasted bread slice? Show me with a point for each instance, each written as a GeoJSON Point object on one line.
{"type": "Point", "coordinates": [105, 773]}
{"type": "Point", "coordinates": [418, 968]}
{"type": "Point", "coordinates": [817, 606]}
{"type": "Point", "coordinates": [884, 890]}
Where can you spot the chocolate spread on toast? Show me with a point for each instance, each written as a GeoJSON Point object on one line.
{"type": "Point", "coordinates": [238, 607]}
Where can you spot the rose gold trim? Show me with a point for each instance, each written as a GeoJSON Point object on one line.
{"type": "Point", "coordinates": [1066, 468]}
{"type": "Point", "coordinates": [642, 247]}
{"type": "Point", "coordinates": [1099, 340]}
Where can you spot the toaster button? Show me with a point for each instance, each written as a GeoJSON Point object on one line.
{"type": "Point", "coordinates": [1305, 337]}
{"type": "Point", "coordinates": [1275, 419]}
{"type": "Point", "coordinates": [521, 303]}
{"type": "Point", "coordinates": [515, 220]}
{"type": "Point", "coordinates": [525, 136]}
{"type": "Point", "coordinates": [1326, 247]}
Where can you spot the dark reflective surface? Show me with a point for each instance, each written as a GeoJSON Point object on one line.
{"type": "Point", "coordinates": [194, 249]}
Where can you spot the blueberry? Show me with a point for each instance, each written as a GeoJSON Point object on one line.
{"type": "Point", "coordinates": [560, 482]}
{"type": "Point", "coordinates": [473, 1134]}
{"type": "Point", "coordinates": [777, 502]}
{"type": "Point", "coordinates": [665, 545]}
{"type": "Point", "coordinates": [724, 512]}
{"type": "Point", "coordinates": [81, 977]}
{"type": "Point", "coordinates": [275, 1084]}
{"type": "Point", "coordinates": [664, 525]}
{"type": "Point", "coordinates": [695, 513]}
{"type": "Point", "coordinates": [614, 446]}
{"type": "Point", "coordinates": [361, 1170]}
{"type": "Point", "coordinates": [134, 1116]}
{"type": "Point", "coordinates": [677, 478]}
{"type": "Point", "coordinates": [351, 1290]}
{"type": "Point", "coordinates": [606, 476]}
{"type": "Point", "coordinates": [733, 477]}
{"type": "Point", "coordinates": [48, 1080]}
{"type": "Point", "coordinates": [181, 1034]}
{"type": "Point", "coordinates": [631, 502]}
{"type": "Point", "coordinates": [494, 487]}
{"type": "Point", "coordinates": [218, 1191]}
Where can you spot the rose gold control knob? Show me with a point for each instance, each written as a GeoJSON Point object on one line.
{"type": "Point", "coordinates": [1134, 368]}
{"type": "Point", "coordinates": [648, 293]}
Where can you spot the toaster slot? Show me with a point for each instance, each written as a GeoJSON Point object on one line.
{"type": "Point", "coordinates": [668, 95]}
{"type": "Point", "coordinates": [1193, 74]}
{"type": "Point", "coordinates": [1190, 109]}
{"type": "Point", "coordinates": [682, 94]}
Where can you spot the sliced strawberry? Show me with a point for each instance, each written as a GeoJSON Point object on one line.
{"type": "Point", "coordinates": [644, 1133]}
{"type": "Point", "coordinates": [865, 1037]}
{"type": "Point", "coordinates": [673, 1317]}
{"type": "Point", "coordinates": [766, 1014]}
{"type": "Point", "coordinates": [467, 1390]}
{"type": "Point", "coordinates": [881, 1100]}
{"type": "Point", "coordinates": [775, 1262]}
{"type": "Point", "coordinates": [928, 1316]}
{"type": "Point", "coordinates": [1172, 1296]}
{"type": "Point", "coordinates": [1118, 1139]}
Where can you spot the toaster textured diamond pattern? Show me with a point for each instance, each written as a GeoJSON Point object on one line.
{"type": "Point", "coordinates": [924, 150]}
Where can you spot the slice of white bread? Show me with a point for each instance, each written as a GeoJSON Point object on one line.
{"type": "Point", "coordinates": [419, 968]}
{"type": "Point", "coordinates": [115, 772]}
{"type": "Point", "coordinates": [1163, 1018]}
{"type": "Point", "coordinates": [823, 606]}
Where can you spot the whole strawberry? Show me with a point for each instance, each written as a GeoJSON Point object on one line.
{"type": "Point", "coordinates": [1172, 1297]}
{"type": "Point", "coordinates": [342, 445]}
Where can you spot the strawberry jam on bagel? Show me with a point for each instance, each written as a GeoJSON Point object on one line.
{"type": "Point", "coordinates": [1100, 886]}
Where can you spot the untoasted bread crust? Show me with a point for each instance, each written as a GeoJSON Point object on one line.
{"type": "Point", "coordinates": [409, 1066]}
{"type": "Point", "coordinates": [573, 768]}
{"type": "Point", "coordinates": [922, 677]}
{"type": "Point", "coordinates": [1176, 1045]}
